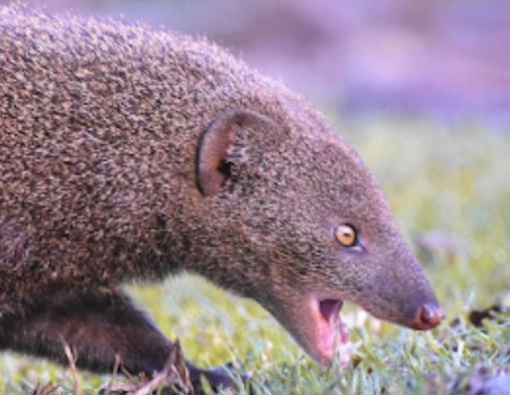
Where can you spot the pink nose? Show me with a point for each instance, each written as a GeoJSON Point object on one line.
{"type": "Point", "coordinates": [427, 317]}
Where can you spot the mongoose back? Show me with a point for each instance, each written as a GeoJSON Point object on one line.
{"type": "Point", "coordinates": [130, 154]}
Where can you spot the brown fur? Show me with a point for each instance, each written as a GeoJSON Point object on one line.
{"type": "Point", "coordinates": [106, 176]}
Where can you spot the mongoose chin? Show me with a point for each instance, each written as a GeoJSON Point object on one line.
{"type": "Point", "coordinates": [128, 154]}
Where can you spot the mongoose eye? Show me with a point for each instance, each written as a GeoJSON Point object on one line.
{"type": "Point", "coordinates": [346, 235]}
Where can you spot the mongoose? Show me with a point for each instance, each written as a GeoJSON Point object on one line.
{"type": "Point", "coordinates": [130, 154]}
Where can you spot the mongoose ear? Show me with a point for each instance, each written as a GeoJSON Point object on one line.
{"type": "Point", "coordinates": [221, 142]}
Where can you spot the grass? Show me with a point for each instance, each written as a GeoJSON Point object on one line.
{"type": "Point", "coordinates": [449, 183]}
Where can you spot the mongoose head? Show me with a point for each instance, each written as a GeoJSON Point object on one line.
{"type": "Point", "coordinates": [308, 227]}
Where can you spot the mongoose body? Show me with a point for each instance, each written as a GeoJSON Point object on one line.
{"type": "Point", "coordinates": [128, 154]}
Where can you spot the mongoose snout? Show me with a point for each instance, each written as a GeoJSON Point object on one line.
{"type": "Point", "coordinates": [428, 317]}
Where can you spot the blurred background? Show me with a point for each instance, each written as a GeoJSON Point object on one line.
{"type": "Point", "coordinates": [442, 57]}
{"type": "Point", "coordinates": [422, 91]}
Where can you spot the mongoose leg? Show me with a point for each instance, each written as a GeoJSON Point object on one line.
{"type": "Point", "coordinates": [100, 327]}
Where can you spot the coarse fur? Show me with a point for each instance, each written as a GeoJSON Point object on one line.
{"type": "Point", "coordinates": [129, 154]}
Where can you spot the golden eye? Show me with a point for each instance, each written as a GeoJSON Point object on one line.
{"type": "Point", "coordinates": [346, 235]}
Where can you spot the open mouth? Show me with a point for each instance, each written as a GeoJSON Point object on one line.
{"type": "Point", "coordinates": [330, 333]}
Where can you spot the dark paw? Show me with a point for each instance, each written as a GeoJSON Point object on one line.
{"type": "Point", "coordinates": [226, 377]}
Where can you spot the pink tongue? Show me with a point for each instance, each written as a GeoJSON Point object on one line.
{"type": "Point", "coordinates": [329, 310]}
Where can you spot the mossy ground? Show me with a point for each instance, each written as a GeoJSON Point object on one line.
{"type": "Point", "coordinates": [451, 180]}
